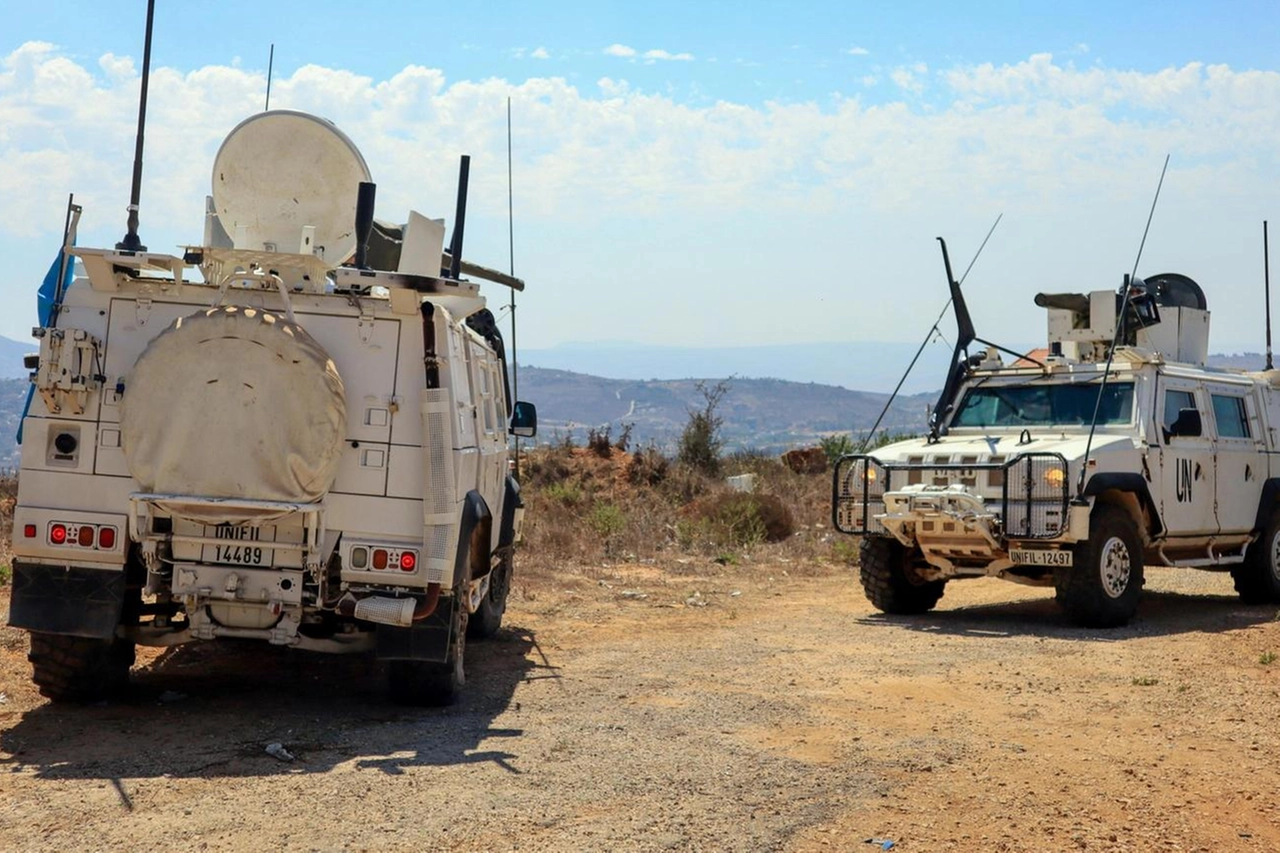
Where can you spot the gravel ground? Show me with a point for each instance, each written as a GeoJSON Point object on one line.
{"type": "Point", "coordinates": [731, 708]}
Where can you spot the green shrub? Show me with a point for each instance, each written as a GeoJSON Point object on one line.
{"type": "Point", "coordinates": [700, 442]}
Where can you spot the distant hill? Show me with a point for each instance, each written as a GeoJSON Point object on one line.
{"type": "Point", "coordinates": [11, 353]}
{"type": "Point", "coordinates": [769, 414]}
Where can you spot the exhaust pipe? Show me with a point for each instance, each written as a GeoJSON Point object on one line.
{"type": "Point", "coordinates": [397, 612]}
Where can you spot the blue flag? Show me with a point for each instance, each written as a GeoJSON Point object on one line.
{"type": "Point", "coordinates": [45, 297]}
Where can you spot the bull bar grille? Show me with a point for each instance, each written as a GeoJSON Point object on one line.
{"type": "Point", "coordinates": [1033, 498]}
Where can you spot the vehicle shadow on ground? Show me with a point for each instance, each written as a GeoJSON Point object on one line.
{"type": "Point", "coordinates": [1159, 614]}
{"type": "Point", "coordinates": [211, 709]}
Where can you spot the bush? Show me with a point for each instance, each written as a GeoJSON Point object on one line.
{"type": "Point", "coordinates": [598, 441]}
{"type": "Point", "coordinates": [700, 442]}
{"type": "Point", "coordinates": [739, 519]}
{"type": "Point", "coordinates": [836, 446]}
{"type": "Point", "coordinates": [648, 467]}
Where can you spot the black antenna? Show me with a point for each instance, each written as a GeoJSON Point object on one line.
{"type": "Point", "coordinates": [1266, 278]}
{"type": "Point", "coordinates": [928, 337]}
{"type": "Point", "coordinates": [1115, 340]}
{"type": "Point", "coordinates": [271, 61]}
{"type": "Point", "coordinates": [511, 256]}
{"type": "Point", "coordinates": [131, 241]}
{"type": "Point", "coordinates": [460, 219]}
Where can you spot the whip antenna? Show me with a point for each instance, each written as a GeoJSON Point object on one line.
{"type": "Point", "coordinates": [271, 61]}
{"type": "Point", "coordinates": [1115, 340]}
{"type": "Point", "coordinates": [131, 241]}
{"type": "Point", "coordinates": [511, 257]}
{"type": "Point", "coordinates": [1150, 214]}
{"type": "Point", "coordinates": [1266, 279]}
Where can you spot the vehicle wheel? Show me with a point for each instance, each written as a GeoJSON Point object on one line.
{"type": "Point", "coordinates": [1103, 587]}
{"type": "Point", "coordinates": [1258, 577]}
{"type": "Point", "coordinates": [890, 581]}
{"type": "Point", "coordinates": [432, 683]}
{"type": "Point", "coordinates": [487, 619]}
{"type": "Point", "coordinates": [79, 669]}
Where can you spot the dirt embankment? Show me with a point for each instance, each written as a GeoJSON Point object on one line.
{"type": "Point", "coordinates": [690, 707]}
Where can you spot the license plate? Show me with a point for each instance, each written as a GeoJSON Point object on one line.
{"type": "Point", "coordinates": [241, 546]}
{"type": "Point", "coordinates": [1038, 557]}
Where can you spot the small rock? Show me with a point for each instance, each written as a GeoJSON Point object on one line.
{"type": "Point", "coordinates": [634, 594]}
{"type": "Point", "coordinates": [277, 751]}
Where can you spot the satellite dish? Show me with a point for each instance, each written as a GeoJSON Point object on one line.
{"type": "Point", "coordinates": [281, 171]}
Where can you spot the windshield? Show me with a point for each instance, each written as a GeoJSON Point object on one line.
{"type": "Point", "coordinates": [1044, 405]}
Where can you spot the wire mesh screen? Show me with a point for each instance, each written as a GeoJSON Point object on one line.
{"type": "Point", "coordinates": [1035, 496]}
{"type": "Point", "coordinates": [860, 484]}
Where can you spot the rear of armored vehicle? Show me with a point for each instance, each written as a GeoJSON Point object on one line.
{"type": "Point", "coordinates": [304, 454]}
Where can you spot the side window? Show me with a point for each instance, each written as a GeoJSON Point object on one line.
{"type": "Point", "coordinates": [1174, 402]}
{"type": "Point", "coordinates": [486, 394]}
{"type": "Point", "coordinates": [1232, 418]}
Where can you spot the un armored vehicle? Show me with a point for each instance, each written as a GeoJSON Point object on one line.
{"type": "Point", "coordinates": [1079, 465]}
{"type": "Point", "coordinates": [295, 432]}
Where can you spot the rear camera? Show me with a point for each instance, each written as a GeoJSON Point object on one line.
{"type": "Point", "coordinates": [65, 443]}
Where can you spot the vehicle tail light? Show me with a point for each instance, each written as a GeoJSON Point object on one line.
{"type": "Point", "coordinates": [408, 561]}
{"type": "Point", "coordinates": [85, 536]}
{"type": "Point", "coordinates": [359, 558]}
{"type": "Point", "coordinates": [107, 538]}
{"type": "Point", "coordinates": [58, 534]}
{"type": "Point", "coordinates": [379, 558]}
{"type": "Point", "coordinates": [29, 531]}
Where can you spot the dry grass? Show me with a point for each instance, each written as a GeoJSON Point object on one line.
{"type": "Point", "coordinates": [590, 511]}
{"type": "Point", "coordinates": [8, 497]}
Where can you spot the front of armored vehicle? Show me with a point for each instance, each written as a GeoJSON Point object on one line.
{"type": "Point", "coordinates": [996, 491]}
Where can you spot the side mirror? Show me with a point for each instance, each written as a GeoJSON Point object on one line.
{"type": "Point", "coordinates": [524, 419]}
{"type": "Point", "coordinates": [1188, 424]}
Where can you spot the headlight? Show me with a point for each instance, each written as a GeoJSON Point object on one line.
{"type": "Point", "coordinates": [1055, 477]}
{"type": "Point", "coordinates": [871, 474]}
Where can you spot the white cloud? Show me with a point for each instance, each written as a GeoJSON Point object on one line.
{"type": "Point", "coordinates": [620, 50]}
{"type": "Point", "coordinates": [540, 53]}
{"type": "Point", "coordinates": [659, 54]}
{"type": "Point", "coordinates": [858, 51]}
{"type": "Point", "coordinates": [1068, 153]}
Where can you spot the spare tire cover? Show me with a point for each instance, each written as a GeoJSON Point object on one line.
{"type": "Point", "coordinates": [234, 403]}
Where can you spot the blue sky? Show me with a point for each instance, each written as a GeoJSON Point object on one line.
{"type": "Point", "coordinates": [747, 52]}
{"type": "Point", "coordinates": [698, 174]}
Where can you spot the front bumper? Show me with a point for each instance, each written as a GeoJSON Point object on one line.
{"type": "Point", "coordinates": [935, 506]}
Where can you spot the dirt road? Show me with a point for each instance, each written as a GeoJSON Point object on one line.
{"type": "Point", "coordinates": [620, 711]}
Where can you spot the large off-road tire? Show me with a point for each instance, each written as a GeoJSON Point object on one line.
{"type": "Point", "coordinates": [487, 619]}
{"type": "Point", "coordinates": [1258, 577]}
{"type": "Point", "coordinates": [79, 669]}
{"type": "Point", "coordinates": [890, 580]}
{"type": "Point", "coordinates": [432, 683]}
{"type": "Point", "coordinates": [1103, 587]}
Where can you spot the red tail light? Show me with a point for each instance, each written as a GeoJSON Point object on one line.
{"type": "Point", "coordinates": [29, 531]}
{"type": "Point", "coordinates": [379, 558]}
{"type": "Point", "coordinates": [107, 538]}
{"type": "Point", "coordinates": [85, 536]}
{"type": "Point", "coordinates": [58, 534]}
{"type": "Point", "coordinates": [408, 561]}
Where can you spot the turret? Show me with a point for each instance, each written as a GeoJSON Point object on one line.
{"type": "Point", "coordinates": [1167, 315]}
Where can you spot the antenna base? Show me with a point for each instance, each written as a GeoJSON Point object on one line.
{"type": "Point", "coordinates": [131, 243]}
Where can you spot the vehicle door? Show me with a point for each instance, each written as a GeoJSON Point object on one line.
{"type": "Point", "coordinates": [1241, 463]}
{"type": "Point", "coordinates": [1185, 477]}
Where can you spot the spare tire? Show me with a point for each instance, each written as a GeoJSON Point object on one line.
{"type": "Point", "coordinates": [233, 402]}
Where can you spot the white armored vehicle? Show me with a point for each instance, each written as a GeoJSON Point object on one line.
{"type": "Point", "coordinates": [297, 433]}
{"type": "Point", "coordinates": [1112, 450]}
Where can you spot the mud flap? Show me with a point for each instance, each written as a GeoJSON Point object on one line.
{"type": "Point", "coordinates": [66, 600]}
{"type": "Point", "coordinates": [429, 640]}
